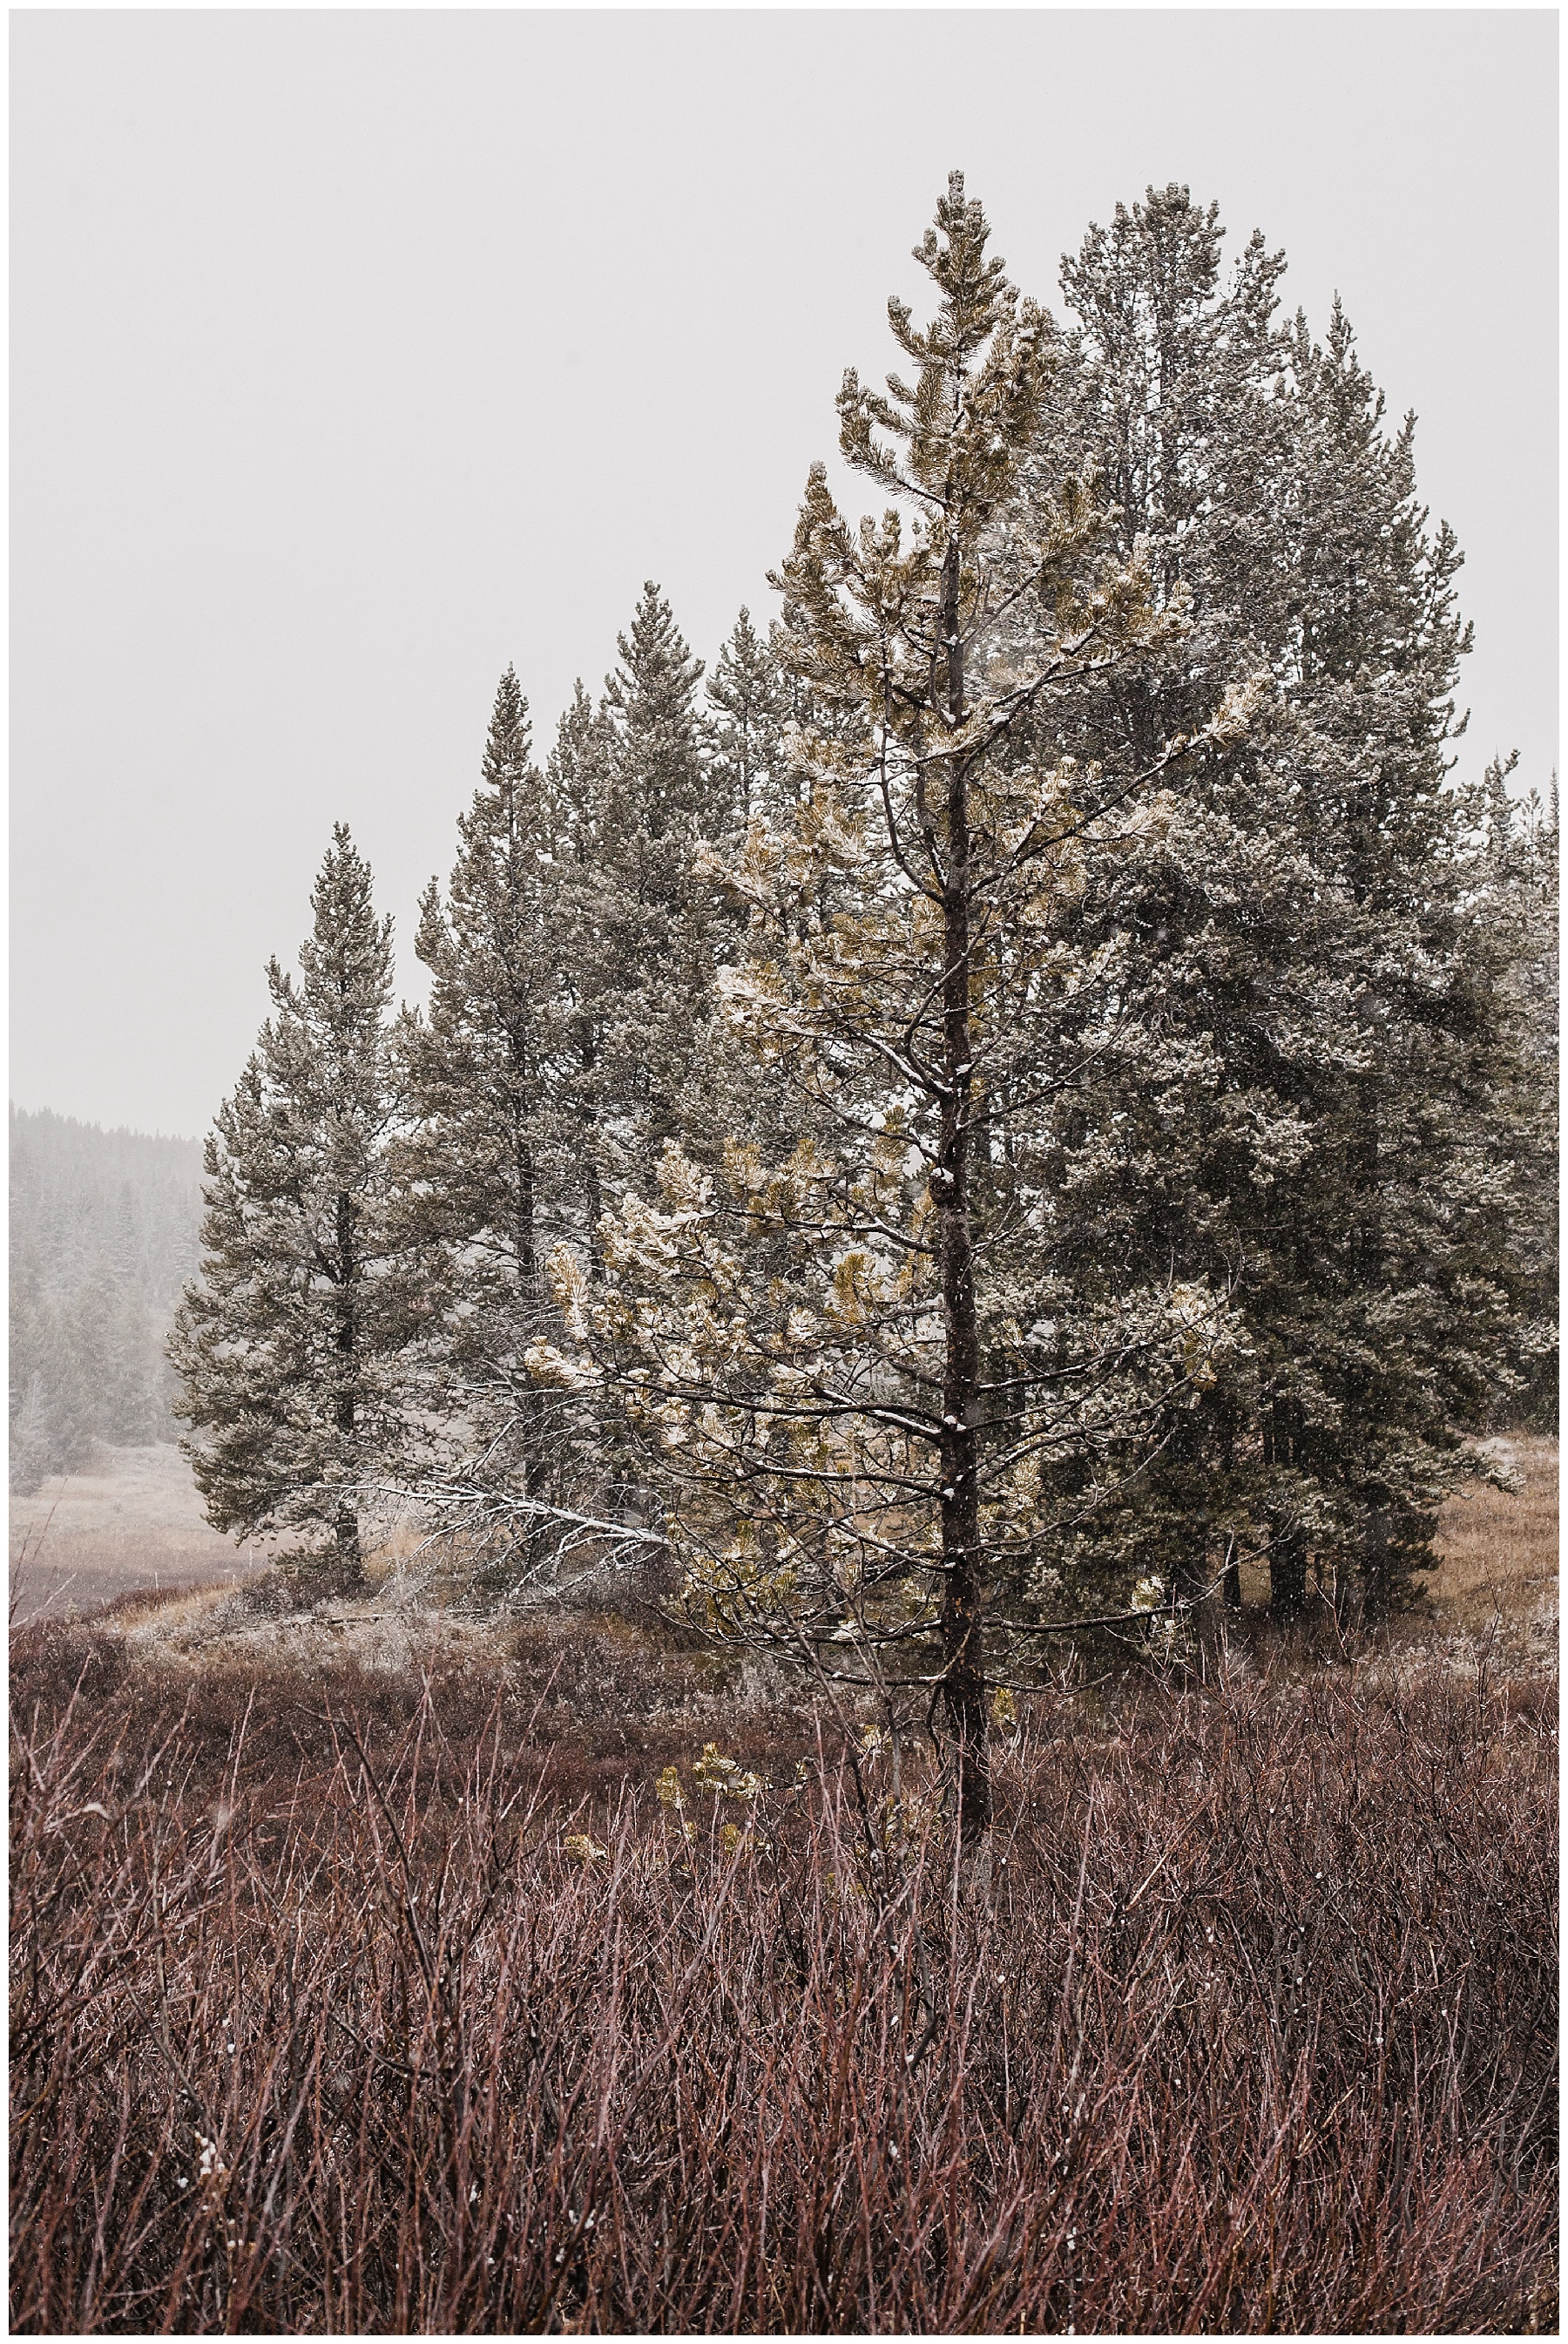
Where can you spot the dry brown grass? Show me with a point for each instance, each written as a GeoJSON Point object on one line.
{"type": "Point", "coordinates": [134, 1519]}
{"type": "Point", "coordinates": [1496, 1579]}
{"type": "Point", "coordinates": [1499, 1550]}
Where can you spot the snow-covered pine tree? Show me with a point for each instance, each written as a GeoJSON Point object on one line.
{"type": "Point", "coordinates": [1296, 939]}
{"type": "Point", "coordinates": [477, 1058]}
{"type": "Point", "coordinates": [587, 975]}
{"type": "Point", "coordinates": [757, 709]}
{"type": "Point", "coordinates": [1360, 1276]}
{"type": "Point", "coordinates": [658, 921]}
{"type": "Point", "coordinates": [481, 1171]}
{"type": "Point", "coordinates": [103, 1237]}
{"type": "Point", "coordinates": [1511, 919]}
{"type": "Point", "coordinates": [1173, 1121]}
{"type": "Point", "coordinates": [748, 704]}
{"type": "Point", "coordinates": [286, 1342]}
{"type": "Point", "coordinates": [54, 1409]}
{"type": "Point", "coordinates": [835, 1358]}
{"type": "Point", "coordinates": [757, 704]}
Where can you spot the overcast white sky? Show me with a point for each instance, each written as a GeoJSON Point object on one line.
{"type": "Point", "coordinates": [355, 355]}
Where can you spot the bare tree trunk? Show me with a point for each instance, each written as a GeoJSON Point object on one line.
{"type": "Point", "coordinates": [1189, 1572]}
{"type": "Point", "coordinates": [523, 1173]}
{"type": "Point", "coordinates": [1377, 1576]}
{"type": "Point", "coordinates": [1287, 1569]}
{"type": "Point", "coordinates": [1232, 1586]}
{"type": "Point", "coordinates": [1287, 1540]}
{"type": "Point", "coordinates": [587, 1126]}
{"type": "Point", "coordinates": [536, 1464]}
{"type": "Point", "coordinates": [963, 1674]}
{"type": "Point", "coordinates": [350, 1570]}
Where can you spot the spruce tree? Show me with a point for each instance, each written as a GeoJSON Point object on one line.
{"type": "Point", "coordinates": [659, 920]}
{"type": "Point", "coordinates": [288, 1341]}
{"type": "Point", "coordinates": [485, 1172]}
{"type": "Point", "coordinates": [749, 705]}
{"type": "Point", "coordinates": [1512, 920]}
{"type": "Point", "coordinates": [1297, 939]}
{"type": "Point", "coordinates": [589, 976]}
{"type": "Point", "coordinates": [477, 1058]}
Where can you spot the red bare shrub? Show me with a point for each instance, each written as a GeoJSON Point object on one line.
{"type": "Point", "coordinates": [1252, 2027]}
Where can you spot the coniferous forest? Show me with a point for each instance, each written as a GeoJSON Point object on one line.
{"type": "Point", "coordinates": [971, 1177]}
{"type": "Point", "coordinates": [103, 1235]}
{"type": "Point", "coordinates": [1029, 1084]}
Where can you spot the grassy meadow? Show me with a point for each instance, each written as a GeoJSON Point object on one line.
{"type": "Point", "coordinates": [131, 1520]}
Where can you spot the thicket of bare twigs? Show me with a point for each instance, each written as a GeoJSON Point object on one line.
{"type": "Point", "coordinates": [335, 2018]}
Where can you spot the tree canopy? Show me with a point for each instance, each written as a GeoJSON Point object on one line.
{"type": "Point", "coordinates": [1027, 1088]}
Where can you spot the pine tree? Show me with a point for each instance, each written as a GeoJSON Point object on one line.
{"type": "Point", "coordinates": [1512, 923]}
{"type": "Point", "coordinates": [834, 1358]}
{"type": "Point", "coordinates": [103, 1237]}
{"type": "Point", "coordinates": [485, 1174]}
{"type": "Point", "coordinates": [1297, 939]}
{"type": "Point", "coordinates": [757, 706]}
{"type": "Point", "coordinates": [286, 1344]}
{"type": "Point", "coordinates": [1173, 1122]}
{"type": "Point", "coordinates": [589, 978]}
{"type": "Point", "coordinates": [658, 921]}
{"type": "Point", "coordinates": [748, 704]}
{"type": "Point", "coordinates": [476, 1059]}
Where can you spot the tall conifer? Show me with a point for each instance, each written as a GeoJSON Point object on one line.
{"type": "Point", "coordinates": [659, 918]}
{"type": "Point", "coordinates": [481, 1172]}
{"type": "Point", "coordinates": [743, 728]}
{"type": "Point", "coordinates": [1297, 940]}
{"type": "Point", "coordinates": [286, 1342]}
{"type": "Point", "coordinates": [832, 1357]}
{"type": "Point", "coordinates": [589, 978]}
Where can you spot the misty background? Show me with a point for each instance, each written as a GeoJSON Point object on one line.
{"type": "Point", "coordinates": [357, 355]}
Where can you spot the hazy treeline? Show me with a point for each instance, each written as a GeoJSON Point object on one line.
{"type": "Point", "coordinates": [104, 1234]}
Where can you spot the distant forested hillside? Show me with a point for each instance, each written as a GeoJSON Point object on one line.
{"type": "Point", "coordinates": [104, 1234]}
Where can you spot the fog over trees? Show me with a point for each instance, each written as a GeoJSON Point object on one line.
{"type": "Point", "coordinates": [103, 1235]}
{"type": "Point", "coordinates": [1029, 1084]}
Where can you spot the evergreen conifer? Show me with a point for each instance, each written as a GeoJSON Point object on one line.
{"type": "Point", "coordinates": [1289, 1098]}
{"type": "Point", "coordinates": [286, 1343]}
{"type": "Point", "coordinates": [831, 1358]}
{"type": "Point", "coordinates": [483, 1171]}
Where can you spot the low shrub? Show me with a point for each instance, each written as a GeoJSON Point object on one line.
{"type": "Point", "coordinates": [364, 2026]}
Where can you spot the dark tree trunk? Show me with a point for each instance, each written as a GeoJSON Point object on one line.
{"type": "Point", "coordinates": [536, 1407]}
{"type": "Point", "coordinates": [1377, 1576]}
{"type": "Point", "coordinates": [1287, 1569]}
{"type": "Point", "coordinates": [587, 1126]}
{"type": "Point", "coordinates": [963, 1673]}
{"type": "Point", "coordinates": [1191, 1570]}
{"type": "Point", "coordinates": [523, 1174]}
{"type": "Point", "coordinates": [350, 1560]}
{"type": "Point", "coordinates": [595, 1204]}
{"type": "Point", "coordinates": [1230, 1585]}
{"type": "Point", "coordinates": [1283, 1442]}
